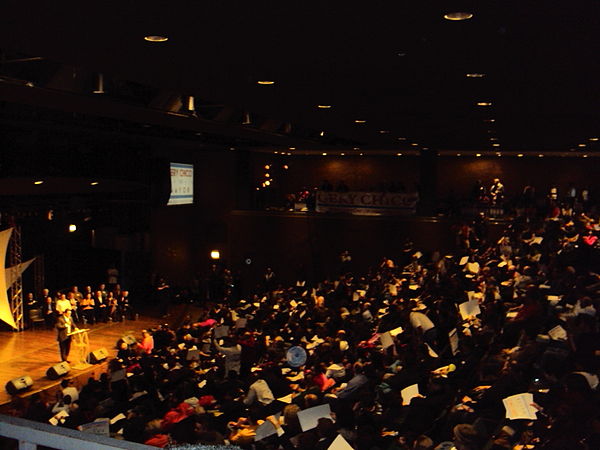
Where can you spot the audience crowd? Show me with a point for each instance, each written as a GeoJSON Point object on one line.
{"type": "Point", "coordinates": [419, 353]}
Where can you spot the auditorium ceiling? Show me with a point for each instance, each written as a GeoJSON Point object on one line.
{"type": "Point", "coordinates": [517, 76]}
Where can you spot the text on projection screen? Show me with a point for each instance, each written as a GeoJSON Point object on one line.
{"type": "Point", "coordinates": [182, 184]}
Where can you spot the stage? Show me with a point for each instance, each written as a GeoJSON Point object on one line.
{"type": "Point", "coordinates": [32, 352]}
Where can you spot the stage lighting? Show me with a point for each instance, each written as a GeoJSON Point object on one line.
{"type": "Point", "coordinates": [72, 228]}
{"type": "Point", "coordinates": [215, 254]}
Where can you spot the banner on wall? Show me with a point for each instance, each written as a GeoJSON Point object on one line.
{"type": "Point", "coordinates": [5, 312]}
{"type": "Point", "coordinates": [367, 203]}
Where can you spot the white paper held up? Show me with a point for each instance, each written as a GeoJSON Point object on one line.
{"type": "Point", "coordinates": [309, 418]}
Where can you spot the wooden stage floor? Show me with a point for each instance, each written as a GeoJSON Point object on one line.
{"type": "Point", "coordinates": [32, 352]}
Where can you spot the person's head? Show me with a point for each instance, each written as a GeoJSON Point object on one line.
{"type": "Point", "coordinates": [75, 289]}
{"type": "Point", "coordinates": [30, 296]}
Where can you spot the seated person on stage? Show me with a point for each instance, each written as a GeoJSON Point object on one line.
{"type": "Point", "coordinates": [88, 311]}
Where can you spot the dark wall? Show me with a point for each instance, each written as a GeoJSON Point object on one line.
{"type": "Point", "coordinates": [456, 173]}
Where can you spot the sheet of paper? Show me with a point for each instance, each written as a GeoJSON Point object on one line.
{"type": "Point", "coordinates": [431, 351]}
{"type": "Point", "coordinates": [453, 338]}
{"type": "Point", "coordinates": [393, 289]}
{"type": "Point", "coordinates": [396, 331]}
{"type": "Point", "coordinates": [469, 309]}
{"type": "Point", "coordinates": [502, 264]}
{"type": "Point", "coordinates": [409, 393]}
{"type": "Point", "coordinates": [309, 418]}
{"type": "Point", "coordinates": [413, 287]}
{"type": "Point", "coordinates": [473, 267]}
{"type": "Point", "coordinates": [558, 333]}
{"type": "Point", "coordinates": [511, 314]}
{"type": "Point", "coordinates": [59, 417]}
{"type": "Point", "coordinates": [339, 443]}
{"type": "Point", "coordinates": [202, 384]}
{"type": "Point", "coordinates": [386, 339]}
{"type": "Point", "coordinates": [418, 255]}
{"type": "Point", "coordinates": [286, 398]}
{"type": "Point", "coordinates": [98, 426]}
{"type": "Point", "coordinates": [266, 429]}
{"type": "Point", "coordinates": [118, 417]}
{"type": "Point", "coordinates": [519, 407]}
{"type": "Point", "coordinates": [293, 303]}
{"type": "Point", "coordinates": [537, 240]}
{"type": "Point", "coordinates": [463, 260]}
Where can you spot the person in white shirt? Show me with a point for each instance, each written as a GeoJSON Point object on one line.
{"type": "Point", "coordinates": [62, 304]}
{"type": "Point", "coordinates": [70, 390]}
{"type": "Point", "coordinates": [424, 326]}
{"type": "Point", "coordinates": [259, 391]}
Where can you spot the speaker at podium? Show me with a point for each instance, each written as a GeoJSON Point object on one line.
{"type": "Point", "coordinates": [58, 370]}
{"type": "Point", "coordinates": [20, 384]}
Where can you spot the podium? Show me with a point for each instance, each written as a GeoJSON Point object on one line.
{"type": "Point", "coordinates": [80, 348]}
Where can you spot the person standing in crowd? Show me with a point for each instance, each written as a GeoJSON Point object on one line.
{"type": "Point", "coordinates": [497, 192]}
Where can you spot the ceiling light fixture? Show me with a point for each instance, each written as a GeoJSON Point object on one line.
{"type": "Point", "coordinates": [484, 103]}
{"type": "Point", "coordinates": [594, 139]}
{"type": "Point", "coordinates": [520, 155]}
{"type": "Point", "coordinates": [585, 156]}
{"type": "Point", "coordinates": [156, 38]}
{"type": "Point", "coordinates": [475, 75]}
{"type": "Point", "coordinates": [401, 139]}
{"type": "Point", "coordinates": [384, 131]}
{"type": "Point", "coordinates": [458, 154]}
{"type": "Point", "coordinates": [540, 156]}
{"type": "Point", "coordinates": [355, 148]}
{"type": "Point", "coordinates": [38, 182]}
{"type": "Point", "coordinates": [291, 148]}
{"type": "Point", "coordinates": [94, 183]}
{"type": "Point", "coordinates": [458, 15]}
{"type": "Point", "coordinates": [493, 139]}
{"type": "Point", "coordinates": [489, 120]}
{"type": "Point", "coordinates": [360, 121]}
{"type": "Point", "coordinates": [323, 106]}
{"type": "Point", "coordinates": [495, 145]}
{"type": "Point", "coordinates": [265, 82]}
{"type": "Point", "coordinates": [398, 154]}
{"type": "Point", "coordinates": [581, 145]}
{"type": "Point", "coordinates": [478, 155]}
{"type": "Point", "coordinates": [324, 154]}
{"type": "Point", "coordinates": [322, 133]}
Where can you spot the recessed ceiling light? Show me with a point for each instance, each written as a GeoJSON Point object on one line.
{"type": "Point", "coordinates": [265, 82]}
{"type": "Point", "coordinates": [458, 154]}
{"type": "Point", "coordinates": [277, 153]}
{"type": "Point", "coordinates": [495, 145]}
{"type": "Point", "coordinates": [323, 106]}
{"type": "Point", "coordinates": [360, 121]}
{"type": "Point", "coordinates": [594, 139]}
{"type": "Point", "coordinates": [585, 156]}
{"type": "Point", "coordinates": [478, 155]}
{"type": "Point", "coordinates": [324, 154]}
{"type": "Point", "coordinates": [540, 156]}
{"type": "Point", "coordinates": [475, 75]}
{"type": "Point", "coordinates": [343, 154]}
{"type": "Point", "coordinates": [94, 183]}
{"type": "Point", "coordinates": [384, 131]}
{"type": "Point", "coordinates": [493, 139]}
{"type": "Point", "coordinates": [520, 155]}
{"type": "Point", "coordinates": [401, 54]}
{"type": "Point", "coordinates": [291, 148]}
{"type": "Point", "coordinates": [459, 15]}
{"type": "Point", "coordinates": [401, 139]}
{"type": "Point", "coordinates": [398, 154]}
{"type": "Point", "coordinates": [360, 154]}
{"type": "Point", "coordinates": [581, 145]}
{"type": "Point", "coordinates": [489, 120]}
{"type": "Point", "coordinates": [38, 182]}
{"type": "Point", "coordinates": [498, 154]}
{"type": "Point", "coordinates": [356, 148]}
{"type": "Point", "coordinates": [414, 144]}
{"type": "Point", "coordinates": [156, 38]}
{"type": "Point", "coordinates": [484, 103]}
{"type": "Point", "coordinates": [322, 133]}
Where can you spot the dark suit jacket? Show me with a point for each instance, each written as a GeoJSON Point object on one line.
{"type": "Point", "coordinates": [61, 327]}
